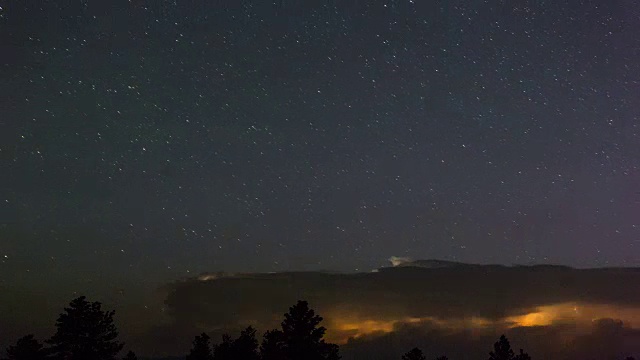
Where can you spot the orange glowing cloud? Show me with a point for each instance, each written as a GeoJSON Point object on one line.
{"type": "Point", "coordinates": [342, 327]}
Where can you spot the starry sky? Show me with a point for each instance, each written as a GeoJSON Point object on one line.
{"type": "Point", "coordinates": [155, 140]}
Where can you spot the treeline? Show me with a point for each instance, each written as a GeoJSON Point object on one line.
{"type": "Point", "coordinates": [86, 332]}
{"type": "Point", "coordinates": [300, 337]}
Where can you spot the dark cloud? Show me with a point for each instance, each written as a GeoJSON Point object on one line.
{"type": "Point", "coordinates": [395, 308]}
{"type": "Point", "coordinates": [603, 339]}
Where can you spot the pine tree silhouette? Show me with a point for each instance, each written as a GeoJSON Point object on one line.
{"type": "Point", "coordinates": [414, 354]}
{"type": "Point", "coordinates": [502, 351]}
{"type": "Point", "coordinates": [26, 348]}
{"type": "Point", "coordinates": [272, 347]}
{"type": "Point", "coordinates": [130, 356]}
{"type": "Point", "coordinates": [245, 347]}
{"type": "Point", "coordinates": [223, 351]}
{"type": "Point", "coordinates": [301, 337]}
{"type": "Point", "coordinates": [84, 331]}
{"type": "Point", "coordinates": [522, 356]}
{"type": "Point", "coordinates": [201, 349]}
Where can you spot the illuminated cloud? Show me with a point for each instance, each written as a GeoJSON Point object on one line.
{"type": "Point", "coordinates": [435, 298]}
{"type": "Point", "coordinates": [395, 260]}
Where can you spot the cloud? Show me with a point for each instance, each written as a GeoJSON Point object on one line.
{"type": "Point", "coordinates": [446, 305]}
{"type": "Point", "coordinates": [395, 260]}
{"type": "Point", "coordinates": [602, 339]}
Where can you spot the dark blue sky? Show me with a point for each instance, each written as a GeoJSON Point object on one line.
{"type": "Point", "coordinates": [146, 140]}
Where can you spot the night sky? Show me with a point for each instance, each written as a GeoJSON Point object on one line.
{"type": "Point", "coordinates": [151, 141]}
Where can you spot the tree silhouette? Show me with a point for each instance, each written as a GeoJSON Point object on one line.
{"type": "Point", "coordinates": [245, 347]}
{"type": "Point", "coordinates": [301, 337]}
{"type": "Point", "coordinates": [272, 347]}
{"type": "Point", "coordinates": [442, 358]}
{"type": "Point", "coordinates": [85, 331]}
{"type": "Point", "coordinates": [522, 356]}
{"type": "Point", "coordinates": [502, 351]}
{"type": "Point", "coordinates": [201, 348]}
{"type": "Point", "coordinates": [414, 354]}
{"type": "Point", "coordinates": [26, 348]}
{"type": "Point", "coordinates": [223, 350]}
{"type": "Point", "coordinates": [130, 356]}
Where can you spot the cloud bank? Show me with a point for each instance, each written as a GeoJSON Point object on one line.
{"type": "Point", "coordinates": [446, 309]}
